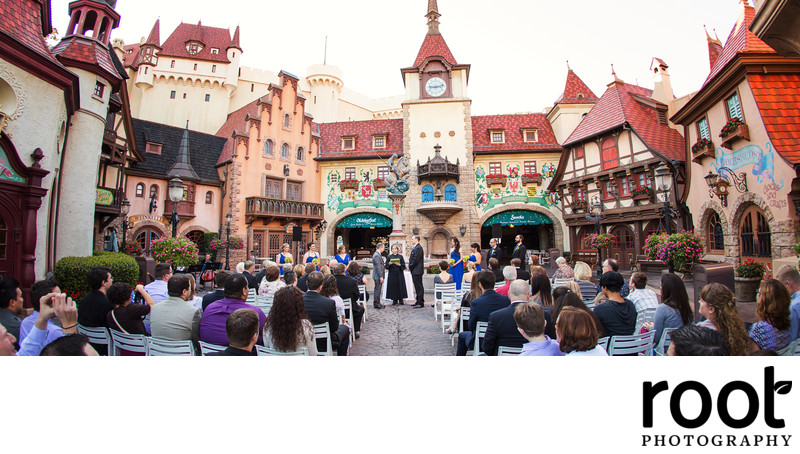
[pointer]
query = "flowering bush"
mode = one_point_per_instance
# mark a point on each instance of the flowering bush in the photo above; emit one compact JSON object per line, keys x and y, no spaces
{"x":751,"y":269}
{"x":216,"y":245}
{"x":434,"y":269}
{"x":177,"y":251}
{"x":132,"y":247}
{"x":641,"y":190}
{"x":701,"y":145}
{"x":731,"y":126}
{"x":681,"y":249}
{"x":599,"y":240}
{"x":236,"y":242}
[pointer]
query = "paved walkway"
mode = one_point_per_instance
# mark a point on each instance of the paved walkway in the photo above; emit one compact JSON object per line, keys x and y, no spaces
{"x":402,"y":331}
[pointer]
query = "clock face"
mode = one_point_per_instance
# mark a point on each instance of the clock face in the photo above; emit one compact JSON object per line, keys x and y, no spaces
{"x":436,"y":86}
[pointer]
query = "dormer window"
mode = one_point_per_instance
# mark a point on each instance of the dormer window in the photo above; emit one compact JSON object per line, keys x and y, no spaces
{"x":193,"y":48}
{"x":530,"y":135}
{"x":214,"y":51}
{"x":379,"y":142}
{"x":498,"y":136}
{"x":580,"y":96}
{"x":153,"y":148}
{"x":348,"y":143}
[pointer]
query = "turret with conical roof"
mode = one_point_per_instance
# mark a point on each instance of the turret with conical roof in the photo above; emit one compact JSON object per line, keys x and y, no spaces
{"x":575,"y":102}
{"x":183,"y":166}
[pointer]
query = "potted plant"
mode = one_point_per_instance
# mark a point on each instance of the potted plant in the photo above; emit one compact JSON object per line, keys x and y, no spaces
{"x":599,"y":240}
{"x":702,"y":147}
{"x":496,"y":178}
{"x":132,"y":247}
{"x":642,"y":193}
{"x":532,"y":178}
{"x":349,"y":183}
{"x":578,"y":205}
{"x":734,"y":130}
{"x":748,"y":280}
{"x":180,"y":252}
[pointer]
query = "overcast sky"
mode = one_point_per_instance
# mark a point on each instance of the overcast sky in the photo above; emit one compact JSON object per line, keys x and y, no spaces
{"x":518,"y":49}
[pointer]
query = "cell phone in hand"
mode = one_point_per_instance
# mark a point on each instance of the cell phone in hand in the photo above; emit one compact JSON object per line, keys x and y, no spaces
{"x":136,"y":297}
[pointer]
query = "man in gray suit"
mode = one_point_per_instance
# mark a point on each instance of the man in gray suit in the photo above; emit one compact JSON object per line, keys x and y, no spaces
{"x":175,"y":318}
{"x":378,"y":269}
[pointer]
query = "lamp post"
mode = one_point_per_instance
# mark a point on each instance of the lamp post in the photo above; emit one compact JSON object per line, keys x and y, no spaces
{"x":124,"y":209}
{"x":718,"y":184}
{"x":228,"y":218}
{"x":596,"y":217}
{"x":176,"y":191}
{"x":663,"y":179}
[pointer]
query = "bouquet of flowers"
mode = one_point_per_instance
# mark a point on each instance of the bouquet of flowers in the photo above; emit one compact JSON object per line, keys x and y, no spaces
{"x":452,"y":262}
{"x":315,"y":261}
{"x":287,"y":260}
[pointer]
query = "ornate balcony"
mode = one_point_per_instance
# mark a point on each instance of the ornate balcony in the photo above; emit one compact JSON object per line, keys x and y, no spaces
{"x":439,"y":212}
{"x":279,"y":209}
{"x":185,"y":209}
{"x":438,"y":168}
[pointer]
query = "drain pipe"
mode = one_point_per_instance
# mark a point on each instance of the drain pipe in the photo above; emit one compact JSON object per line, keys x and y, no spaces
{"x":55,"y":203}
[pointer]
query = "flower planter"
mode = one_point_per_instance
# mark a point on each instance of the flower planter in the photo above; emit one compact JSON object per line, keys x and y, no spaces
{"x":700,"y":152}
{"x":496,"y":180}
{"x":578,"y":206}
{"x":646,"y":197}
{"x":348,"y":184}
{"x":740,"y":133}
{"x":747,"y":288}
{"x":527,"y":179}
{"x":379,"y":184}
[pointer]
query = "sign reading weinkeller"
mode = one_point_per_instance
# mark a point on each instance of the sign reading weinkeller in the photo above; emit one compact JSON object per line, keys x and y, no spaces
{"x":148,"y":217}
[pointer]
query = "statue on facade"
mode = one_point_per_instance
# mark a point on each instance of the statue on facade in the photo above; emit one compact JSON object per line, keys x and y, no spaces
{"x":399,"y":168}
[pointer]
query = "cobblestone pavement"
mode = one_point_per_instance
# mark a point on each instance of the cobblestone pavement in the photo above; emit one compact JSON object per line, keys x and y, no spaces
{"x":402,"y":331}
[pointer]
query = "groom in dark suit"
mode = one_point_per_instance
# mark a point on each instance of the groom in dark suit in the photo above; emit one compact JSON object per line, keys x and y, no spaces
{"x":416,"y":264}
{"x":494,"y":251}
{"x":520,"y":251}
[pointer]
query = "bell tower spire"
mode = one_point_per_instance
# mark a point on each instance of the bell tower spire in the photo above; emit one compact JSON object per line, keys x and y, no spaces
{"x":433,"y":17}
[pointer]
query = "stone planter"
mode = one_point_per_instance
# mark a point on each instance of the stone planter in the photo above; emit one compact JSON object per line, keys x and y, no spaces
{"x":747,"y":288}
{"x":741,"y":133}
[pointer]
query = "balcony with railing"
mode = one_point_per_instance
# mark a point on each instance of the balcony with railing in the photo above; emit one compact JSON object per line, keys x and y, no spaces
{"x":274,"y":209}
{"x":185,"y":209}
{"x":438,"y":168}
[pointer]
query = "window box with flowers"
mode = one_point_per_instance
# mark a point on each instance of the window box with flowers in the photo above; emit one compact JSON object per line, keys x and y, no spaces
{"x":702,"y":147}
{"x":532,"y":178}
{"x":735,"y":129}
{"x":496,"y":178}
{"x":748,"y":280}
{"x":642,"y":193}
{"x":348,"y":184}
{"x":379,"y":183}
{"x":578,"y":205}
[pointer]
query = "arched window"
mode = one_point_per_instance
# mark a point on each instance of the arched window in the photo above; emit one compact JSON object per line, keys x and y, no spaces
{"x":300,"y":154}
{"x":427,"y":193}
{"x":267,"y":147}
{"x":716,"y":239}
{"x":755,"y":236}
{"x":140,"y":190}
{"x":145,"y":238}
{"x":450,"y":194}
{"x":285,"y":151}
{"x":209,"y":198}
{"x":154,"y":191}
{"x":609,"y":154}
{"x":196,"y":236}
{"x":287,"y":121}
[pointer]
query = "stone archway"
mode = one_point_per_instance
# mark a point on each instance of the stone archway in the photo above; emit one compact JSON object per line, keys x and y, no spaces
{"x":743,"y":202}
{"x":558,"y":229}
{"x":434,"y":235}
{"x":330,"y":240}
{"x":728,"y":233}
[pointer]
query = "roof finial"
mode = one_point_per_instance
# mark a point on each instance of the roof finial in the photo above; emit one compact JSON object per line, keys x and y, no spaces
{"x":433,"y":17}
{"x":613,"y":73}
{"x":568,"y":68}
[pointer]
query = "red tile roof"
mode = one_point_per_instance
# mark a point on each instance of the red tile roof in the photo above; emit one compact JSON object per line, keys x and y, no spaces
{"x":576,"y":92}
{"x":619,"y":105}
{"x":512,"y":125}
{"x":78,"y":48}
{"x":22,"y":20}
{"x":778,"y":99}
{"x":130,"y":59}
{"x":219,"y":38}
{"x":739,"y":41}
{"x":332,"y":133}
{"x":434,"y":46}
{"x":714,"y":51}
{"x":155,"y":34}
{"x":236,"y":120}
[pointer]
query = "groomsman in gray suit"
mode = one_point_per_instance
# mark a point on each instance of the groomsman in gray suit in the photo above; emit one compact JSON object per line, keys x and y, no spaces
{"x":378,"y":270}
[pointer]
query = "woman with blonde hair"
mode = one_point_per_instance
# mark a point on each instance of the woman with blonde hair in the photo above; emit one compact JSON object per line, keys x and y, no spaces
{"x":325,"y":270}
{"x":583,"y":276}
{"x":299,"y":270}
{"x":470,"y":272}
{"x":771,"y":331}
{"x":284,"y":257}
{"x":718,"y":306}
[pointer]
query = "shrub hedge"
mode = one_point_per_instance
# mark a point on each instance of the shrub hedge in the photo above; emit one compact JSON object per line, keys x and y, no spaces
{"x":71,"y":272}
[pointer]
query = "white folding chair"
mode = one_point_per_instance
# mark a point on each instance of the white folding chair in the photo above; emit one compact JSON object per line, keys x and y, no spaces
{"x":348,"y":310}
{"x":663,"y":343}
{"x":560,"y":282}
{"x":589,"y":304}
{"x":97,"y":336}
{"x":265,"y":308}
{"x":480,"y":333}
{"x":509,"y":351}
{"x":603,"y":343}
{"x":647,"y":314}
{"x":131,"y":343}
{"x":638,"y":344}
{"x":463,"y":319}
{"x":163,"y":347}
{"x":448,"y":301}
{"x":544,"y":260}
{"x":323,"y":331}
{"x":362,"y":300}
{"x":251,"y":296}
{"x":264,"y":351}
{"x":264,"y":299}
{"x":793,"y":349}
{"x":206,"y":348}
{"x":438,"y":300}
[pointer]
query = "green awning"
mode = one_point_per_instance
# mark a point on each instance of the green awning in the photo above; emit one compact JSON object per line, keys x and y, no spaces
{"x":365,"y":221}
{"x":518,"y":217}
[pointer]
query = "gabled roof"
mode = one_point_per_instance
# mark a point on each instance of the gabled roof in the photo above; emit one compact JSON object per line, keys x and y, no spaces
{"x":740,"y":40}
{"x":576,"y":91}
{"x":129,"y":59}
{"x":204,"y":149}
{"x":332,"y":133}
{"x":23,"y":21}
{"x":513,"y":126}
{"x":219,"y":38}
{"x":236,"y":119}
{"x":778,"y":99}
{"x":434,"y":46}
{"x":624,"y":103}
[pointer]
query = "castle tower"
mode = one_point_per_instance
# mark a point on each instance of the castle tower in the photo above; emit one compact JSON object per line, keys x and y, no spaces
{"x":234,"y":51}
{"x":326,"y":86}
{"x":148,"y":59}
{"x":575,"y":102}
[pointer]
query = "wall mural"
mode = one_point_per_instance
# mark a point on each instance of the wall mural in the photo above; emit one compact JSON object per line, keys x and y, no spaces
{"x":763,"y":163}
{"x":363,"y":195}
{"x":489,"y":196}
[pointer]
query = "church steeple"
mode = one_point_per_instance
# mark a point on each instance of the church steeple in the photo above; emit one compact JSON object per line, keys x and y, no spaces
{"x":433,"y":17}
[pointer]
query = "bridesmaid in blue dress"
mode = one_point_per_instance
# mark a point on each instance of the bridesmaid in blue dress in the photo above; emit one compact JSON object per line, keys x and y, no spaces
{"x":476,"y":256}
{"x":457,"y":268}
{"x":311,"y":254}
{"x":342,"y":257}
{"x":284,"y":257}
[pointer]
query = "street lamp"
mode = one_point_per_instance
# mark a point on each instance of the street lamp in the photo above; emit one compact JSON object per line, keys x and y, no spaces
{"x":228,"y":218}
{"x":718,"y":184}
{"x":663,"y":179}
{"x":124,"y":209}
{"x":596,"y":216}
{"x":175,"y":190}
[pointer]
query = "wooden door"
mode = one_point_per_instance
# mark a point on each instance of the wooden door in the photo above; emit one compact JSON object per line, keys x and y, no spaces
{"x":624,"y":248}
{"x":145,"y":238}
{"x":755,"y":238}
{"x":7,"y":253}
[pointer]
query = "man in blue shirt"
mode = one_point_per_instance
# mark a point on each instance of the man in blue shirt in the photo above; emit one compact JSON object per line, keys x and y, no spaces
{"x":613,"y":265}
{"x":11,"y":302}
{"x":158,"y":288}
{"x":789,"y":276}
{"x":42,"y":290}
{"x":52,"y":305}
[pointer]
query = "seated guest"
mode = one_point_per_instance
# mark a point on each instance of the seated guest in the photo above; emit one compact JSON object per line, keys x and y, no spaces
{"x":53,"y":305}
{"x":11,"y":303}
{"x":330,"y":290}
{"x":176,"y":318}
{"x":718,"y":306}
{"x":564,"y":271}
{"x":535,"y":260}
{"x":480,"y":308}
{"x":288,"y":328}
{"x":271,"y":282}
{"x":321,"y":310}
{"x":325,"y":270}
{"x":674,"y":310}
{"x":564,"y":296}
{"x":577,"y":334}
{"x":469,"y":273}
{"x":72,"y":345}
{"x":444,"y":277}
{"x":158,"y":288}
{"x":474,"y":292}
{"x":494,"y":266}
{"x":771,"y":331}
{"x":242,"y":330}
{"x":641,"y":296}
{"x":617,"y":314}
{"x":7,"y":342}
{"x":354,"y":270}
{"x":537,"y":269}
{"x":509,"y":275}
{"x":522,"y":273}
{"x":240,"y":268}
{"x":694,"y":340}
{"x":789,"y":277}
{"x":613,"y":265}
{"x":348,"y":288}
{"x":212,"y":325}
{"x":126,"y":317}
{"x":260,"y":275}
{"x":249,"y":269}
{"x":530,"y":323}
{"x":95,"y":306}
{"x":219,"y":291}
{"x":290,"y":279}
{"x":299,"y":270}
{"x":583,"y":276}
{"x":43,"y":290}
{"x":542,"y":295}
{"x":301,"y":283}
{"x":502,"y":330}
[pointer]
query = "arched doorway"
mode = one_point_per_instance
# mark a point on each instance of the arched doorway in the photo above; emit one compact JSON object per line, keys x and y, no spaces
{"x":536,"y":229}
{"x":145,"y":237}
{"x":624,"y":248}
{"x":360,"y":233}
{"x":197,"y":237}
{"x":755,"y":238}
{"x":715,"y":235}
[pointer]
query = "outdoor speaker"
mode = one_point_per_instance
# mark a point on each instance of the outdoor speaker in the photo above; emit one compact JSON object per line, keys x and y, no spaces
{"x":497,"y":230}
{"x":297,"y":233}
